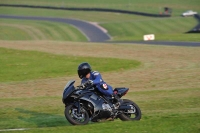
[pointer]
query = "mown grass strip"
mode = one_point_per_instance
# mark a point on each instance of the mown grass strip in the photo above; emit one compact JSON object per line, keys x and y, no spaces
{"x":38,"y":30}
{"x":13,"y":33}
{"x":19,"y":65}
{"x":162,"y":28}
{"x":121,"y":27}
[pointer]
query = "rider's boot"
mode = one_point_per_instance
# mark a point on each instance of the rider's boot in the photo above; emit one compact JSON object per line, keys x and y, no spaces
{"x":116,"y":101}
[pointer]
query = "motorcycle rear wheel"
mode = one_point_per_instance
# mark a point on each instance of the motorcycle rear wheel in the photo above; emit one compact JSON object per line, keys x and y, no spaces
{"x":129,"y":116}
{"x":76,"y":118}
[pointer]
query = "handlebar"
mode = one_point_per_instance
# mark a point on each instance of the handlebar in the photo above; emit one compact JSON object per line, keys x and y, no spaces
{"x":84,"y":85}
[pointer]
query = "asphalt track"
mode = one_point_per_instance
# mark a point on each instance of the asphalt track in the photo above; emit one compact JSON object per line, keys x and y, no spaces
{"x":92,"y":32}
{"x":95,"y":33}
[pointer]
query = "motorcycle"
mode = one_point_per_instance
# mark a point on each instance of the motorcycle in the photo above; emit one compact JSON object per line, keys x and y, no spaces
{"x":85,"y":103}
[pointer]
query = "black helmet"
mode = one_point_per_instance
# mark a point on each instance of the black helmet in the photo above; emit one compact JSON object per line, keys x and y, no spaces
{"x":83,"y":69}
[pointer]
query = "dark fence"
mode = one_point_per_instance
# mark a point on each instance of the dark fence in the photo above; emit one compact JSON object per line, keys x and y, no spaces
{"x":89,"y":9}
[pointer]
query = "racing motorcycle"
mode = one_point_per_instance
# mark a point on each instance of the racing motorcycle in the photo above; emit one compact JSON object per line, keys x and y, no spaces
{"x":85,"y":103}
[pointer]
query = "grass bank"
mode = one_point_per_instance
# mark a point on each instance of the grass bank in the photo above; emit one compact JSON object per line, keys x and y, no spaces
{"x":19,"y":65}
{"x":166,"y":87}
{"x":120,"y":26}
{"x":38,"y":30}
{"x":170,"y":111}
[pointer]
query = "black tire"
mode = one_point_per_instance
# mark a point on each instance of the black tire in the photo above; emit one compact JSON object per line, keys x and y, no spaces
{"x":75,"y":121}
{"x":127,"y":116}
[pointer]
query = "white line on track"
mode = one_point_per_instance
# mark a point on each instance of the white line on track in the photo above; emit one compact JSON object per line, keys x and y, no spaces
{"x":16,"y":129}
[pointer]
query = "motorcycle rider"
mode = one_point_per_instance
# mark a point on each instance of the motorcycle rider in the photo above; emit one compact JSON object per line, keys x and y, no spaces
{"x":90,"y":77}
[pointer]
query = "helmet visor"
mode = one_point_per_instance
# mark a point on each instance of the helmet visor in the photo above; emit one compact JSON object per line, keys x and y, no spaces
{"x":82,"y":73}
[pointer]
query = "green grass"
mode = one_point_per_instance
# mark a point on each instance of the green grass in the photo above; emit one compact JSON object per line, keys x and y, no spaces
{"x":163,"y":111}
{"x":164,"y":29}
{"x":122,"y":27}
{"x":38,"y":30}
{"x":174,"y":110}
{"x":19,"y":65}
{"x":87,"y":16}
{"x":151,"y":6}
{"x":8,"y":34}
{"x":171,"y":29}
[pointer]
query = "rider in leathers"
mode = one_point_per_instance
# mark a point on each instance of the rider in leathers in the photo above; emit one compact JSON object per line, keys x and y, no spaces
{"x":94,"y":78}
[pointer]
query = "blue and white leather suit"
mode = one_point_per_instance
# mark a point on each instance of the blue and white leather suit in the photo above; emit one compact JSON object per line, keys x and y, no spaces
{"x":97,"y":80}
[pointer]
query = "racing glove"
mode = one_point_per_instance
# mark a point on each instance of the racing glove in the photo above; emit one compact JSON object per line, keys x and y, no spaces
{"x":89,"y":83}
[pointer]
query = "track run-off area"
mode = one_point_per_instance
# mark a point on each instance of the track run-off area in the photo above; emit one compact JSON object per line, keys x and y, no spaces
{"x":96,"y":33}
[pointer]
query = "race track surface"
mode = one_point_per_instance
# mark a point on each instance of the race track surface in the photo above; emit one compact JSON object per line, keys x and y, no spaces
{"x":169,"y":43}
{"x":92,"y":32}
{"x":96,"y":34}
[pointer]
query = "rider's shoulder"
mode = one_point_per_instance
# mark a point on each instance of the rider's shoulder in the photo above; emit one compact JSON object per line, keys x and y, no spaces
{"x":95,"y":73}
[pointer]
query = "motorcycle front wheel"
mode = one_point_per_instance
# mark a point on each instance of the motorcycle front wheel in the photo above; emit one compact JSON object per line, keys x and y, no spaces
{"x":75,"y":118}
{"x":128,"y":115}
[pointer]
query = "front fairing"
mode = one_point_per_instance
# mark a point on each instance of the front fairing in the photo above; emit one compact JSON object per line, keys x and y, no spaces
{"x":69,"y":88}
{"x":87,"y":95}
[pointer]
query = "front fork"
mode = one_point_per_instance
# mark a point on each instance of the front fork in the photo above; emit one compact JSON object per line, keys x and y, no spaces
{"x":78,"y":106}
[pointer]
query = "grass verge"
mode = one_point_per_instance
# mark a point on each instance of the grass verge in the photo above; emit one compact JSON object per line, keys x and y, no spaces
{"x":38,"y":30}
{"x":19,"y":65}
{"x":169,"y":29}
{"x":166,"y":87}
{"x":168,"y":111}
